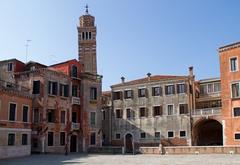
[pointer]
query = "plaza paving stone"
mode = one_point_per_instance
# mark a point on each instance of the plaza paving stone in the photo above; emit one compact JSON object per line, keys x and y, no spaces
{"x":93,"y":159}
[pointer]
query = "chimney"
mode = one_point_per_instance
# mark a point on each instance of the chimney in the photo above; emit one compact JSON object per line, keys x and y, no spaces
{"x":123,"y":79}
{"x":190,"y":69}
{"x":149,"y":76}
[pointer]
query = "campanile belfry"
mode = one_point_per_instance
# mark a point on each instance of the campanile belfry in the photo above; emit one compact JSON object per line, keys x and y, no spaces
{"x":87,"y":43}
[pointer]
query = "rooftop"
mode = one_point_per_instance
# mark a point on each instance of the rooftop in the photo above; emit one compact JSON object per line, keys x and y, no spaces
{"x":153,"y":78}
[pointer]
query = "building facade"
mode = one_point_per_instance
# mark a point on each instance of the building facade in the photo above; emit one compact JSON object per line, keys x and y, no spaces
{"x":15,"y":120}
{"x":229,"y":56}
{"x":152,"y":110}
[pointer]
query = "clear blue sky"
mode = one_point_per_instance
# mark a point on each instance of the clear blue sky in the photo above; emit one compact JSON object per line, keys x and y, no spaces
{"x":134,"y":36}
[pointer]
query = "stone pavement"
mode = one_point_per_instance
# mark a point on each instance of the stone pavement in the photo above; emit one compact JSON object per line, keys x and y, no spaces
{"x":78,"y":159}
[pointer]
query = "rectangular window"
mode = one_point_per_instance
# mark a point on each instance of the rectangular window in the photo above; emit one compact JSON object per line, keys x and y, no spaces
{"x":50,"y":138}
{"x":157,"y":111}
{"x":75,"y":91}
{"x":157,"y":135}
{"x":169,"y":90}
{"x":142,"y":92}
{"x":36,"y":87}
{"x":35,"y":115}
{"x":12,"y":111}
{"x":25,"y":113}
{"x":237,"y":136}
{"x":235,"y":90}
{"x":118,"y":136}
{"x":10,"y":66}
{"x":64,"y":90}
{"x":62,"y":138}
{"x":217,"y":87}
{"x":203,"y":89}
{"x":117,"y":95}
{"x":93,"y":93}
{"x":143,"y":135}
{"x":236,"y":111}
{"x":233,"y":63}
{"x":156,"y":91}
{"x":170,"y":109}
{"x":128,"y":94}
{"x":181,"y":88}
{"x":103,"y":114}
{"x":50,"y":115}
{"x":170,"y":134}
{"x":119,"y":113}
{"x":183,"y":109}
{"x":128,"y":113}
{"x":24,"y":139}
{"x":74,"y":71}
{"x":182,"y":134}
{"x":52,"y":88}
{"x":93,"y":138}
{"x":11,"y":139}
{"x":62,"y":116}
{"x":74,"y":117}
{"x":142,"y":112}
{"x":93,"y":118}
{"x":210,"y":88}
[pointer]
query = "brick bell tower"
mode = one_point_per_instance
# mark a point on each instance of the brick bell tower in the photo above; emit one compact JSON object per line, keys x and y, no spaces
{"x":87,"y":43}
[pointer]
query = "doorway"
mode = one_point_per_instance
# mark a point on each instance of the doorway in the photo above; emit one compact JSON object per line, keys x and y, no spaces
{"x":129,"y":143}
{"x":73,"y":143}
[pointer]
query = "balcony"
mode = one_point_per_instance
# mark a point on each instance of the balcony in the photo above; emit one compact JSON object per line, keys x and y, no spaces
{"x":76,"y":101}
{"x":207,"y":111}
{"x":75,"y":126}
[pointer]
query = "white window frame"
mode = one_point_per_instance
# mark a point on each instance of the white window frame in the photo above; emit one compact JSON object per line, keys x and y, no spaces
{"x":140,"y":113}
{"x":233,"y":112}
{"x":27,"y":138}
{"x":234,"y":136}
{"x":15,"y":111}
{"x":235,"y":82}
{"x":167,"y":109}
{"x":8,"y":66}
{"x":155,"y":135}
{"x":174,"y":87}
{"x":91,"y":118}
{"x":182,"y":103}
{"x":173,"y":134}
{"x":27,"y":114}
{"x":236,"y":63}
{"x":185,"y":86}
{"x":182,"y":136}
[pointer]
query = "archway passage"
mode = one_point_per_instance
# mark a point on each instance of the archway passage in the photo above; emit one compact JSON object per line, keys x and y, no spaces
{"x":208,"y":132}
{"x":73,"y":143}
{"x":129,"y":143}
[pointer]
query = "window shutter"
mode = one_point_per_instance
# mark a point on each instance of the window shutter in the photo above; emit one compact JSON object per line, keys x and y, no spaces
{"x":121,"y":95}
{"x":125,"y":94}
{"x":49,"y":87}
{"x":138,"y":92}
{"x":178,"y":88}
{"x":146,"y":92}
{"x":174,"y":89}
{"x":166,"y":92}
{"x":153,"y":92}
{"x":160,"y":91}
{"x":60,"y":90}
{"x":146,"y":112}
{"x":185,"y":88}
{"x":132,"y":94}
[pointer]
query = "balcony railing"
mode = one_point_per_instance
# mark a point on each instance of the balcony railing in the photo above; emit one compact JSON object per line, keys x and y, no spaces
{"x":207,"y":111}
{"x":75,"y":126}
{"x":76,"y":101}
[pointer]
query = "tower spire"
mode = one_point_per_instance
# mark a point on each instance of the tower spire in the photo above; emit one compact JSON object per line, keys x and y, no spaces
{"x":86,"y":8}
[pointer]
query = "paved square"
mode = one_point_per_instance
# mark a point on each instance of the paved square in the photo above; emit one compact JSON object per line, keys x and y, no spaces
{"x":92,"y":159}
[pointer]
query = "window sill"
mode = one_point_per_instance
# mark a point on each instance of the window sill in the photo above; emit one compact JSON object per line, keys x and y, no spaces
{"x":64,"y":98}
{"x":51,"y":95}
{"x":235,"y":98}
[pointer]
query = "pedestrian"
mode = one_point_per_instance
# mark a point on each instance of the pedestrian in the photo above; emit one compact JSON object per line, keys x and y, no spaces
{"x":66,"y":149}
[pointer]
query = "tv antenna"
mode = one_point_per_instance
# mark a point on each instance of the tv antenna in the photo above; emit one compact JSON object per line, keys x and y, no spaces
{"x":27,"y":45}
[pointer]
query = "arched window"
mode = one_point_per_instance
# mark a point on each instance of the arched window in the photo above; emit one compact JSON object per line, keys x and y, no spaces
{"x":83,"y":35}
{"x":86,"y":35}
{"x":90,"y":35}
